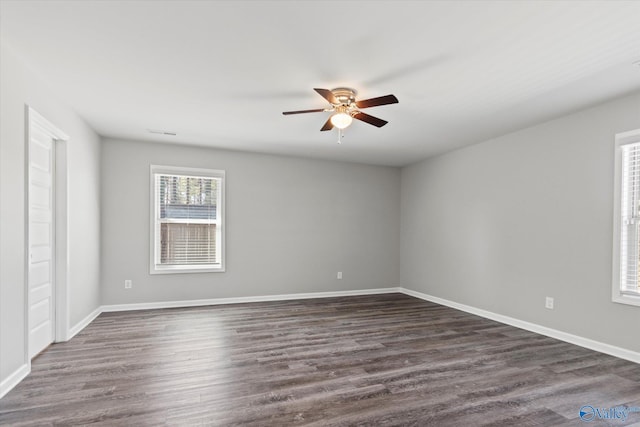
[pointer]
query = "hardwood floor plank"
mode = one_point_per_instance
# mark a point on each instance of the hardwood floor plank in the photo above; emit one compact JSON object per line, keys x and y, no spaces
{"x":365,"y":360}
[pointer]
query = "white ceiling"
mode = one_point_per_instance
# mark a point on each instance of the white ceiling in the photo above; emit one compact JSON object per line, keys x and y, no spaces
{"x":219,"y":73}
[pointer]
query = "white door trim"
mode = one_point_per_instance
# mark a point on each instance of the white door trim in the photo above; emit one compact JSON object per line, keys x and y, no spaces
{"x":60,"y":245}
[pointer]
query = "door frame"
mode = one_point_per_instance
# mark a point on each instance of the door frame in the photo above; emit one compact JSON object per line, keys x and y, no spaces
{"x":60,"y":251}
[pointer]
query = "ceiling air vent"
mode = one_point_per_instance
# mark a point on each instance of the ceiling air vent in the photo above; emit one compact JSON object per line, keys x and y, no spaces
{"x":161,"y":132}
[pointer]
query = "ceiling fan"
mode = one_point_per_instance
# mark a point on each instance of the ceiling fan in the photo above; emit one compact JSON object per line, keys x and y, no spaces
{"x":345,"y":108}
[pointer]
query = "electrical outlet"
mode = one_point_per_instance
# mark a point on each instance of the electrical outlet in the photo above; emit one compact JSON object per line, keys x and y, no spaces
{"x":339,"y":275}
{"x":128,"y":284}
{"x":548,"y":303}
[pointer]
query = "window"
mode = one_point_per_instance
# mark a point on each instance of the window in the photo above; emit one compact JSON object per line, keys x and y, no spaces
{"x":626,"y":241}
{"x":187,"y":220}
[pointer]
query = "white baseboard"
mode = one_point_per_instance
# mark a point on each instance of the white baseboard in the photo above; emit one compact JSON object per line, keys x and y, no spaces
{"x":12,"y":380}
{"x":543,"y":330}
{"x":83,"y":323}
{"x":240,"y":300}
{"x":622,"y":353}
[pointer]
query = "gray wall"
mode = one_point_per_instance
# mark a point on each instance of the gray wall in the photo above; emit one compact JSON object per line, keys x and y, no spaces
{"x":497,"y":226}
{"x":291,"y":225}
{"x":502,"y":224}
{"x":20,"y":86}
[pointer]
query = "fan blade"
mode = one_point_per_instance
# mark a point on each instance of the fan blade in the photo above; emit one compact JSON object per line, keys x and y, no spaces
{"x":374,"y":102}
{"x":318,"y":110}
{"x":327,"y":126}
{"x":370,"y":119}
{"x":328,"y":95}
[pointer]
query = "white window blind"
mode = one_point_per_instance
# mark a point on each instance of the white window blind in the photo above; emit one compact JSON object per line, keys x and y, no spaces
{"x":630,"y":219}
{"x":187,"y":220}
{"x":626,"y":220}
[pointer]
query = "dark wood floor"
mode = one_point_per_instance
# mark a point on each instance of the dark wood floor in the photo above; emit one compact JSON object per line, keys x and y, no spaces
{"x":372,"y":360}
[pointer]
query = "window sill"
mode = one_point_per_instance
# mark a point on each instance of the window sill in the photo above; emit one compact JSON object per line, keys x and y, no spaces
{"x":627,"y":299}
{"x":178,"y":269}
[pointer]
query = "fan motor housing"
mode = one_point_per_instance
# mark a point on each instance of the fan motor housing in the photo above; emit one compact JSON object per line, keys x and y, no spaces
{"x":345,"y":95}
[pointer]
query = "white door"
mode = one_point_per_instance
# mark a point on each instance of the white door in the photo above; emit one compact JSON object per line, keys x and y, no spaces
{"x":41,"y":243}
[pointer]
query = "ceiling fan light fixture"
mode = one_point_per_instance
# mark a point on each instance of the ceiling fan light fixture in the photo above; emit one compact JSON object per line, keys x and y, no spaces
{"x":345,"y":108}
{"x":341,"y":120}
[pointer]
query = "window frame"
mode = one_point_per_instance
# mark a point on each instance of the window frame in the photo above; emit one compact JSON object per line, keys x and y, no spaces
{"x":155,"y":224}
{"x":617,"y":295}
